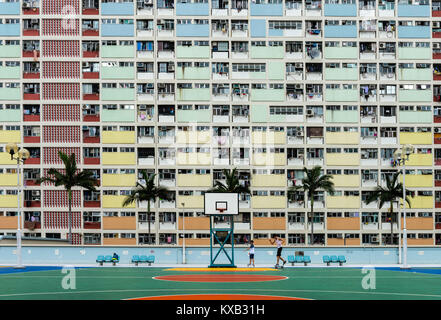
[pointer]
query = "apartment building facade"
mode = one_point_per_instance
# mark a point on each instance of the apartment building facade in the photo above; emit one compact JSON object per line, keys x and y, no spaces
{"x":184,"y":89}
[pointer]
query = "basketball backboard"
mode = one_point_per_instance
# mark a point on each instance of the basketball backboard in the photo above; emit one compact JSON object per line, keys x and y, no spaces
{"x":221,"y":203}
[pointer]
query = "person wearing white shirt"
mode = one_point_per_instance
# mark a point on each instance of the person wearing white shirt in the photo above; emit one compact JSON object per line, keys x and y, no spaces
{"x":279,"y":242}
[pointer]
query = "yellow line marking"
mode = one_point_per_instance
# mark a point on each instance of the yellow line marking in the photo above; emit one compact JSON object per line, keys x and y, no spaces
{"x":222,"y":269}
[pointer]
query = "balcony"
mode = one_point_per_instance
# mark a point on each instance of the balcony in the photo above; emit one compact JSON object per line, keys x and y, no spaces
{"x":347,"y":223}
{"x":118,"y":137}
{"x":341,"y":52}
{"x":192,"y":30}
{"x":117,"y":30}
{"x":193,"y":52}
{"x":268,"y":202}
{"x":342,"y":138}
{"x":341,"y":74}
{"x":111,"y":73}
{"x":117,"y":9}
{"x":408,"y":10}
{"x":416,"y":138}
{"x":119,"y":115}
{"x":8,"y":201}
{"x":268,"y":95}
{"x":118,"y":94}
{"x":10,"y":30}
{"x":343,"y":202}
{"x":13,"y":115}
{"x":340,"y":10}
{"x":190,"y":202}
{"x":266,"y":9}
{"x":10,"y":51}
{"x":267,"y":52}
{"x":119,"y":180}
{"x":342,"y":159}
{"x":10,"y":94}
{"x":194,"y":180}
{"x":268,"y":138}
{"x":421,"y":202}
{"x":269,"y":223}
{"x":415,"y":95}
{"x":414,"y":74}
{"x":340,"y":31}
{"x":269,"y":159}
{"x":195,"y":94}
{"x":414,"y":32}
{"x":414,"y":53}
{"x":192,"y":73}
{"x":193,"y":137}
{"x":118,"y":158}
{"x":341,"y":116}
{"x":342,"y":95}
{"x":115,"y":201}
{"x":268,"y":180}
{"x":192,"y":9}
{"x":346,"y":180}
{"x":9,"y":72}
{"x":8,"y":222}
{"x":7,"y":136}
{"x":193,"y":115}
{"x":118,"y":51}
{"x":193,"y":158}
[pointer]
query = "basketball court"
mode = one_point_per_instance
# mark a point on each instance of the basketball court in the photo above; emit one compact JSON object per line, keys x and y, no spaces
{"x":220,"y":279}
{"x":151,"y":283}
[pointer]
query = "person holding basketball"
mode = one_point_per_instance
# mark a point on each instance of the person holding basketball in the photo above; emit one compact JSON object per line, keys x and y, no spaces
{"x":279,"y":242}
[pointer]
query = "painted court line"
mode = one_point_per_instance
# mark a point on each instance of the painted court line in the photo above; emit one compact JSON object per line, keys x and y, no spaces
{"x":220,"y":278}
{"x":222,"y":269}
{"x":233,"y":296}
{"x":218,"y":289}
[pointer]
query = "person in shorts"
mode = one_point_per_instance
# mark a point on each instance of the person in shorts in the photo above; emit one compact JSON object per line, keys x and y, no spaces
{"x":279,"y":242}
{"x":251,"y":253}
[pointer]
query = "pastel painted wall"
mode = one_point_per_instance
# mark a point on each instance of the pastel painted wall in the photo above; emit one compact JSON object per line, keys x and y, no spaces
{"x":82,"y":255}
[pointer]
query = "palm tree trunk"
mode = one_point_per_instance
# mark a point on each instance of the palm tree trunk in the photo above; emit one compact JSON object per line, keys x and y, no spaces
{"x":391,"y":224}
{"x":69,"y":218}
{"x":312,"y":220}
{"x":148,"y":216}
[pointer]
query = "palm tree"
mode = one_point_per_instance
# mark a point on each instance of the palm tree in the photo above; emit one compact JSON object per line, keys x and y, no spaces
{"x":71,"y":177}
{"x":312,"y":181}
{"x":232,"y":183}
{"x":391,"y":193}
{"x":147,"y":192}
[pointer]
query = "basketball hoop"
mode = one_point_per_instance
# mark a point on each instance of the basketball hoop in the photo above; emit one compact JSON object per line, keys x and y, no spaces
{"x":221,"y":206}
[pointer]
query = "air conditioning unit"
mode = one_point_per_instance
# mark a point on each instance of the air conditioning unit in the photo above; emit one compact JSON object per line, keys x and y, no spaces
{"x":382,"y":45}
{"x":26,"y":5}
{"x":436,"y":24}
{"x":436,"y":130}
{"x":299,"y":134}
{"x":86,"y":107}
{"x":436,"y":46}
{"x":298,"y":86}
{"x":309,"y":113}
{"x":35,"y":193}
{"x":374,"y":239}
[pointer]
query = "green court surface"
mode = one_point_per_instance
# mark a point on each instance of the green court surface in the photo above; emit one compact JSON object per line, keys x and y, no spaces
{"x":308,"y":283}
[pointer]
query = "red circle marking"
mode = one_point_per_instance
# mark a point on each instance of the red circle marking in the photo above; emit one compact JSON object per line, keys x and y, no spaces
{"x":220,"y":278}
{"x":218,"y":297}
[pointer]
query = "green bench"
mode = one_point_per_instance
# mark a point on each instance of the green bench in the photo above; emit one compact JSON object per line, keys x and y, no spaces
{"x":299,"y":259}
{"x":106,"y":259}
{"x":143,"y":259}
{"x":334,"y":259}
